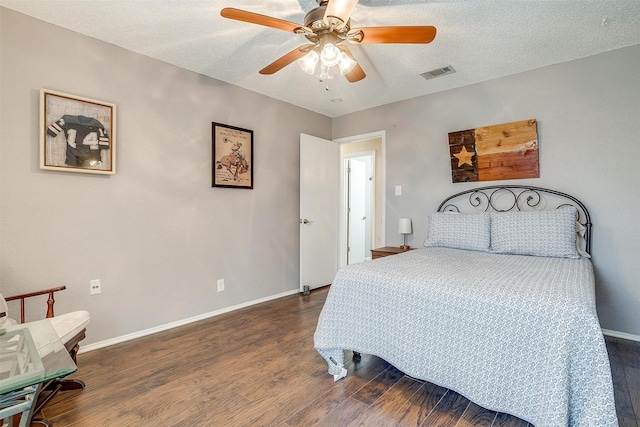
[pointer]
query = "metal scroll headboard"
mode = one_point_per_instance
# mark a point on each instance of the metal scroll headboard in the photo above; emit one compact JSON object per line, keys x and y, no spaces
{"x":504,"y":198}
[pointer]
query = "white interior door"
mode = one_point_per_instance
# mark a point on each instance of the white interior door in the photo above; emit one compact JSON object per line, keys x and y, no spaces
{"x":356,"y":210}
{"x":319,"y":196}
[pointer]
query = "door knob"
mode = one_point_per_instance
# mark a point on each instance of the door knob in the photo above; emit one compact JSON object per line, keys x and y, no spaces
{"x":305,"y":221}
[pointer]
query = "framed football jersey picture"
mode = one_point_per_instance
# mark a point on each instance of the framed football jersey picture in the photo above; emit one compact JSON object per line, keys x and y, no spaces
{"x":77,"y":134}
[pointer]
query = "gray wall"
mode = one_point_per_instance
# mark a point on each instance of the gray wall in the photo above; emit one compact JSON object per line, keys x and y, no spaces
{"x":588,"y":113}
{"x":156,"y":233}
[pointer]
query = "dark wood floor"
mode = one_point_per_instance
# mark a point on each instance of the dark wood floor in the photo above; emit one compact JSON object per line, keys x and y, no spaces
{"x":257,"y":367}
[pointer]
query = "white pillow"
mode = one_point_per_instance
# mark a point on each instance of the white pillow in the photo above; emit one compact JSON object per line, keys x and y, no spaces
{"x":549,"y":233}
{"x":459,"y":231}
{"x":581,"y":243}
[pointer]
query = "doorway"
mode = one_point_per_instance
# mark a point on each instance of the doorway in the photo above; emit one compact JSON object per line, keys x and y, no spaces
{"x":360,"y":209}
{"x":359,"y":147}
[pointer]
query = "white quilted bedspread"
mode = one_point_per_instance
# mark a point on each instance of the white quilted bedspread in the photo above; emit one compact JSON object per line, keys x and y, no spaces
{"x":514,"y":334}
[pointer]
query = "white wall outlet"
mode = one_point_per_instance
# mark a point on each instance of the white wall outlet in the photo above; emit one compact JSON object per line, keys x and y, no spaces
{"x":398,"y":190}
{"x":95,"y":287}
{"x":220,"y":285}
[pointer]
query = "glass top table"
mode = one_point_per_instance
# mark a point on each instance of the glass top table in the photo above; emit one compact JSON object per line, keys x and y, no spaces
{"x":30,"y":355}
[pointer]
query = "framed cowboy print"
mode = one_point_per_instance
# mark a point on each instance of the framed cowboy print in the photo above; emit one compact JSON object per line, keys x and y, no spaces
{"x":232,"y":156}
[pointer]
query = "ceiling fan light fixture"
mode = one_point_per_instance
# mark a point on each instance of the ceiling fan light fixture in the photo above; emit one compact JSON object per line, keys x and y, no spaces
{"x":325,"y":73}
{"x":327,"y":27}
{"x":309,"y":61}
{"x":330,"y":55}
{"x":346,"y":64}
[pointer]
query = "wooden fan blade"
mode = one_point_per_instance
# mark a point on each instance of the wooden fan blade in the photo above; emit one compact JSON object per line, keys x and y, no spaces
{"x":256,"y":18}
{"x":357,"y":73}
{"x":287,"y":59}
{"x":395,"y":35}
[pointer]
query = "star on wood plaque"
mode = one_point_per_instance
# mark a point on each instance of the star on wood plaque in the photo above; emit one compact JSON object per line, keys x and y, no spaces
{"x":464,"y":157}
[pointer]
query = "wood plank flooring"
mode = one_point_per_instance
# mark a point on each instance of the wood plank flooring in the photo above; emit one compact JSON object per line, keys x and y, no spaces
{"x":257,"y":367}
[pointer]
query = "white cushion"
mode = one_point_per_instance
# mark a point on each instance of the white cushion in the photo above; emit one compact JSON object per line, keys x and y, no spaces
{"x":69,"y":325}
{"x":66,"y":325}
{"x":5,"y":321}
{"x":3,"y":309}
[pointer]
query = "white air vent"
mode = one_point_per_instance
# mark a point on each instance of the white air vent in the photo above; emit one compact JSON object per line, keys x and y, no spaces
{"x":438,"y":72}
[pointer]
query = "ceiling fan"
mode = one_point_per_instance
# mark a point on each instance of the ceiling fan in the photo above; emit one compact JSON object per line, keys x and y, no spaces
{"x":327,"y":27}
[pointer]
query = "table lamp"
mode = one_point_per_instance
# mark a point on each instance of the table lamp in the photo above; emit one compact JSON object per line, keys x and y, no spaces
{"x":405,"y":228}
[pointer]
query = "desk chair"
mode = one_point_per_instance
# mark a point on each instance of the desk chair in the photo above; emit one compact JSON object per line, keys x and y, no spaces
{"x":71,"y":329}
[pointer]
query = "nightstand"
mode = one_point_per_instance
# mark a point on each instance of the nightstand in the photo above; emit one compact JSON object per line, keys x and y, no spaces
{"x":387,"y":251}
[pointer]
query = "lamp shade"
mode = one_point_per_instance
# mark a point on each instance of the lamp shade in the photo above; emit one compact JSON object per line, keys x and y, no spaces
{"x":338,"y":12}
{"x":309,"y":61}
{"x":404,"y":226}
{"x":346,"y":64}
{"x":330,"y":55}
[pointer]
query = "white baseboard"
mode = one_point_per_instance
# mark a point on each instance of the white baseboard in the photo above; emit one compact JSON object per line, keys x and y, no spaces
{"x":166,"y":326}
{"x":622,"y":335}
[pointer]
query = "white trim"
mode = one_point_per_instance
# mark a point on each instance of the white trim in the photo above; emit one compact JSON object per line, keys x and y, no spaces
{"x":622,"y":335}
{"x":171,"y":325}
{"x":361,"y":137}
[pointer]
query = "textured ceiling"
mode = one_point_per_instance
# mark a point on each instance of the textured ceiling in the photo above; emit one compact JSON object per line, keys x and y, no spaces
{"x":482,"y":40}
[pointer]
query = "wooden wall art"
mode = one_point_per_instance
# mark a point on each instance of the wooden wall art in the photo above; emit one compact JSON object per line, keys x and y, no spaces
{"x":507,"y":151}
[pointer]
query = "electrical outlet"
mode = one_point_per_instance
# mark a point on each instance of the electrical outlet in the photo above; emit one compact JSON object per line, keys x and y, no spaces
{"x":95,"y":287}
{"x":220,"y":285}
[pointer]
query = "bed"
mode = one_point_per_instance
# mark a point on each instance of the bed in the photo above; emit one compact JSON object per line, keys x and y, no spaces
{"x":499,"y":306}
